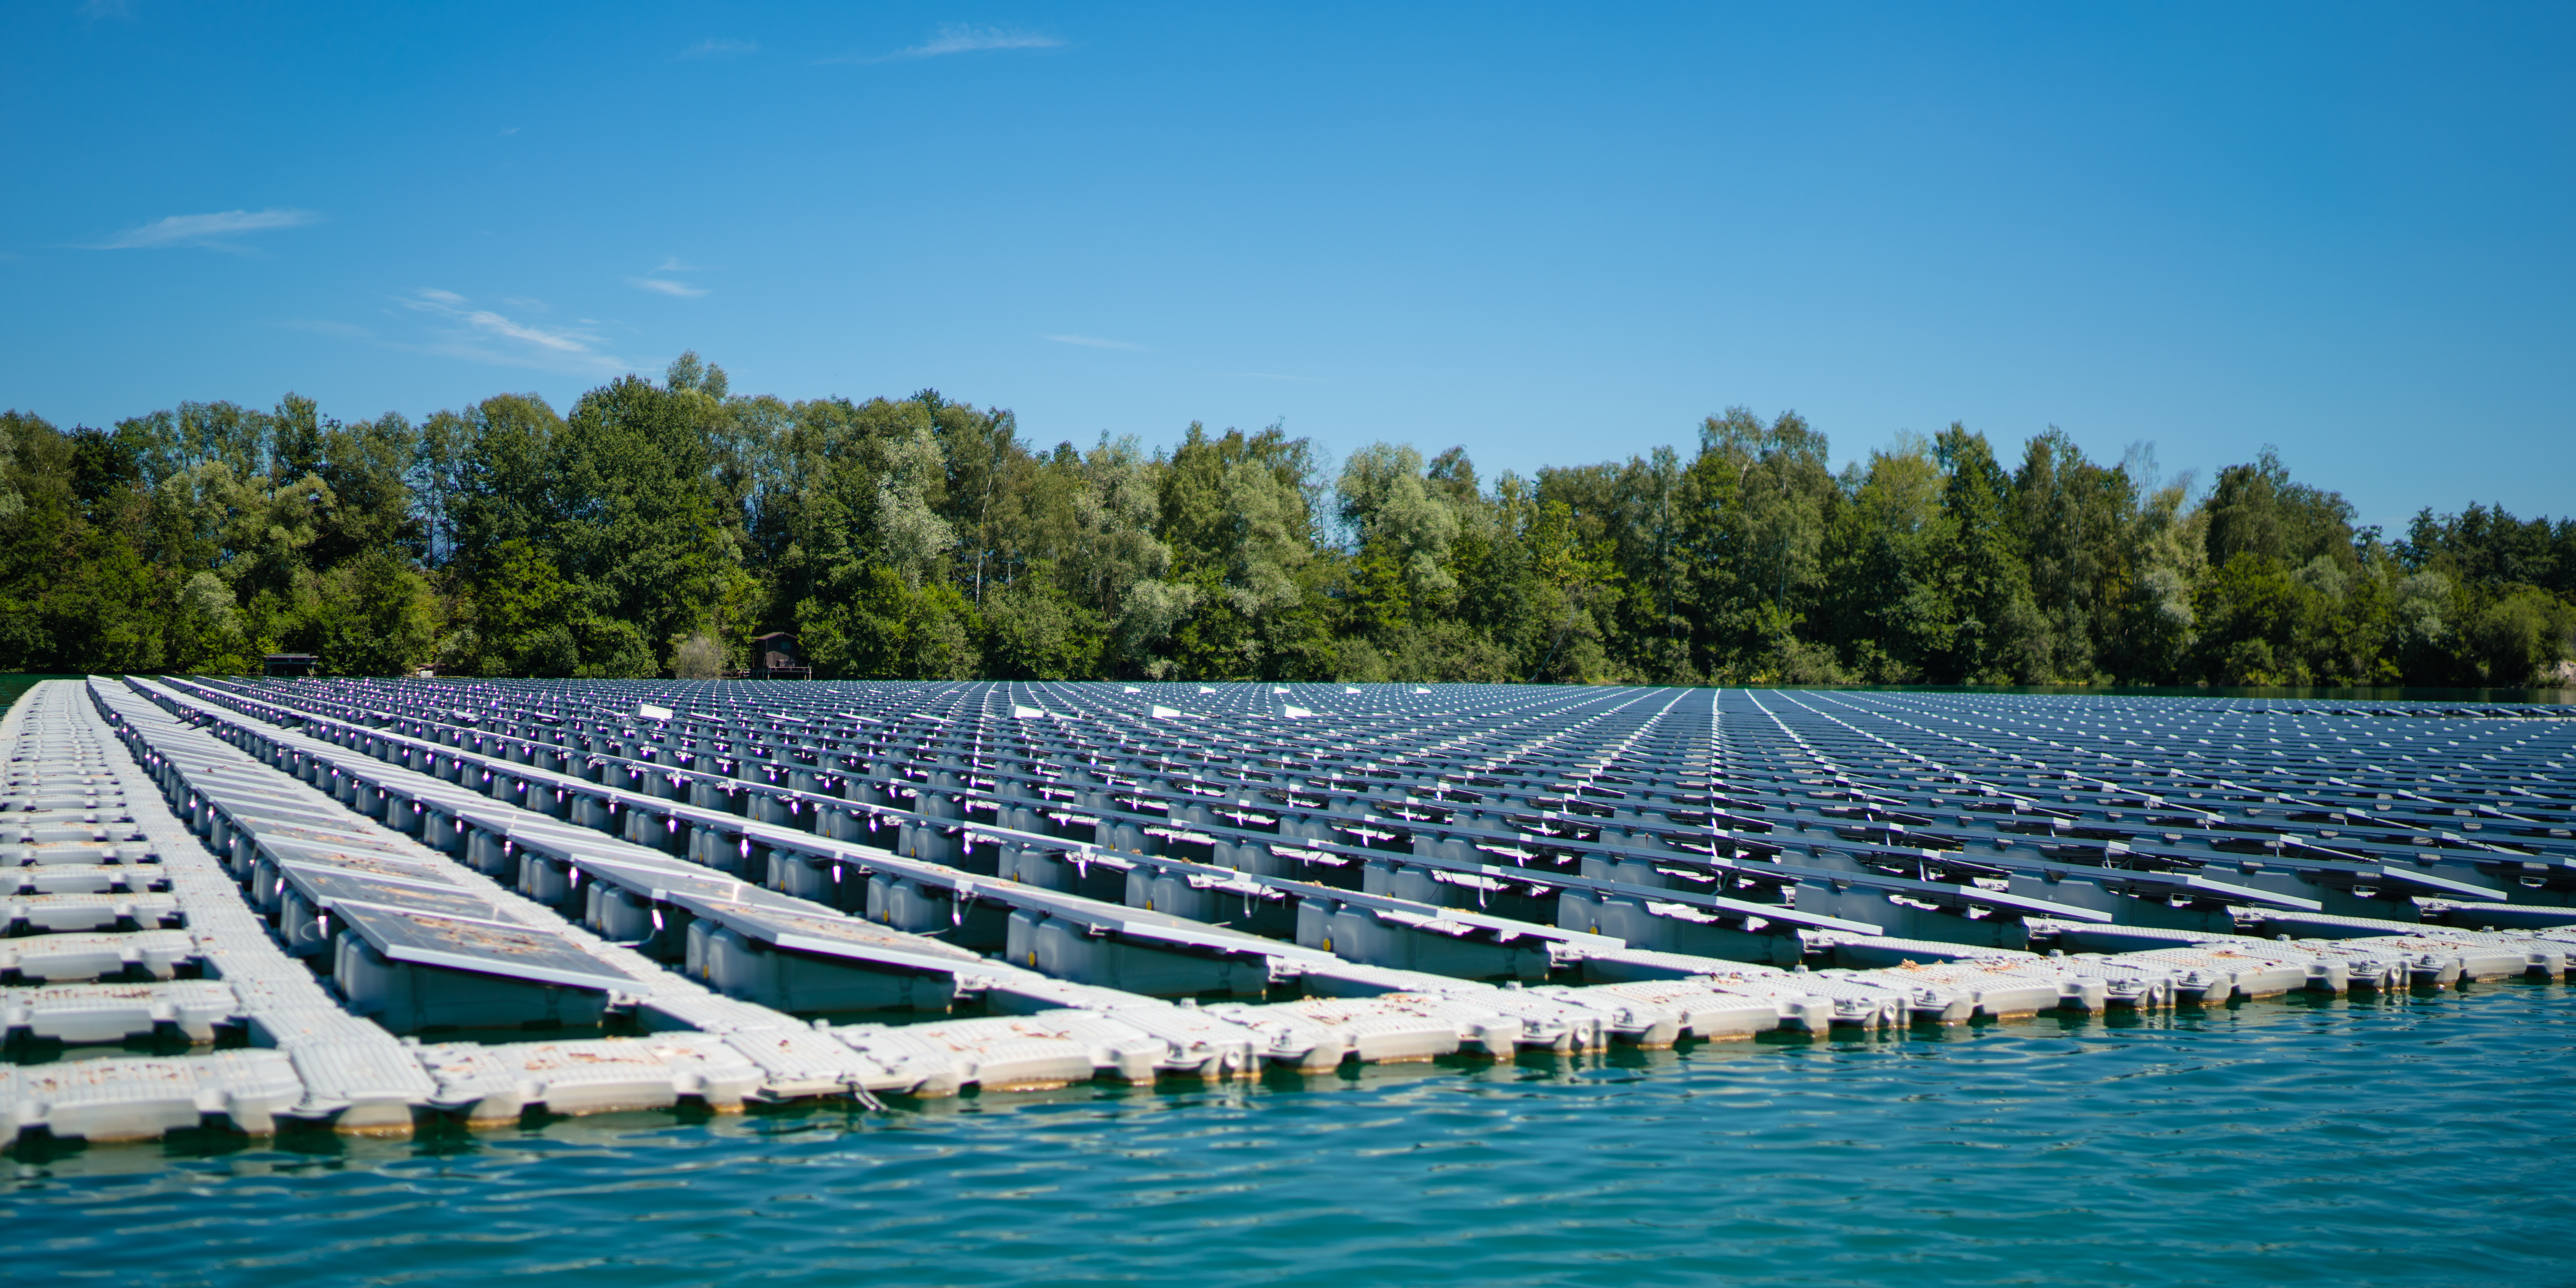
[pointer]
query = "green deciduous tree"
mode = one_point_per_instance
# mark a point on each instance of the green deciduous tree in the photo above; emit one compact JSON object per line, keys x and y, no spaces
{"x":659,"y":526}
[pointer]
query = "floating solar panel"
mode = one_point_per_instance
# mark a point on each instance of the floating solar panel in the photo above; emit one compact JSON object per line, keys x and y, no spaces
{"x":1648,"y":861}
{"x":484,"y":947}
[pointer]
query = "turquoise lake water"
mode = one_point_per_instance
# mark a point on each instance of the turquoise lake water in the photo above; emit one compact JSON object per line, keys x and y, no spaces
{"x":2414,"y":1140}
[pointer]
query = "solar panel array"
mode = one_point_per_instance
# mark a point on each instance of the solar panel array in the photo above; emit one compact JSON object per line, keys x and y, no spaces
{"x":586,"y":896}
{"x":2365,"y":810}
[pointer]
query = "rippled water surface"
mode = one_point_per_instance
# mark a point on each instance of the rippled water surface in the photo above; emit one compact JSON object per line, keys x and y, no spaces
{"x":2419,"y":1140}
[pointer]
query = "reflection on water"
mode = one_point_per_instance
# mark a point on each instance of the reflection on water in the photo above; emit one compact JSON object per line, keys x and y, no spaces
{"x":2413,"y":1139}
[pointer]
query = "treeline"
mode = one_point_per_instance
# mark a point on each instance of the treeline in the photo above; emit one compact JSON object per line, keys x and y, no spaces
{"x":658,"y":528}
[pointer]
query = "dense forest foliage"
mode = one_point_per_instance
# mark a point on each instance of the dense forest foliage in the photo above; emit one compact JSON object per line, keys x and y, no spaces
{"x":657,"y":528}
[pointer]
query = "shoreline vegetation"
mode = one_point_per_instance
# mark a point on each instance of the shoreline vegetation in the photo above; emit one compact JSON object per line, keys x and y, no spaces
{"x":658,"y":527}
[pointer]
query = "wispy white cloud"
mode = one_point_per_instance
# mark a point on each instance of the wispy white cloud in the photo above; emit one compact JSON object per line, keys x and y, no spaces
{"x":721,"y":47}
{"x":969,"y":38}
{"x":213,"y":231}
{"x":482,"y":335}
{"x":961,"y":38}
{"x":508,"y":130}
{"x":97,"y":9}
{"x":1092,"y":342}
{"x":664,"y":285}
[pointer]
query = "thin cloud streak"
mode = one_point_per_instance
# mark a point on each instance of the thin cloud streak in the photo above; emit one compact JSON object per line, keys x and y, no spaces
{"x":960,"y":38}
{"x":721,"y":47}
{"x":208,"y":231}
{"x":481,"y":335}
{"x":680,"y":289}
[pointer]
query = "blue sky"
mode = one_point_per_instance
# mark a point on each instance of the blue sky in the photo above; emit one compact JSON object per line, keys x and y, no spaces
{"x":1555,"y":235}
